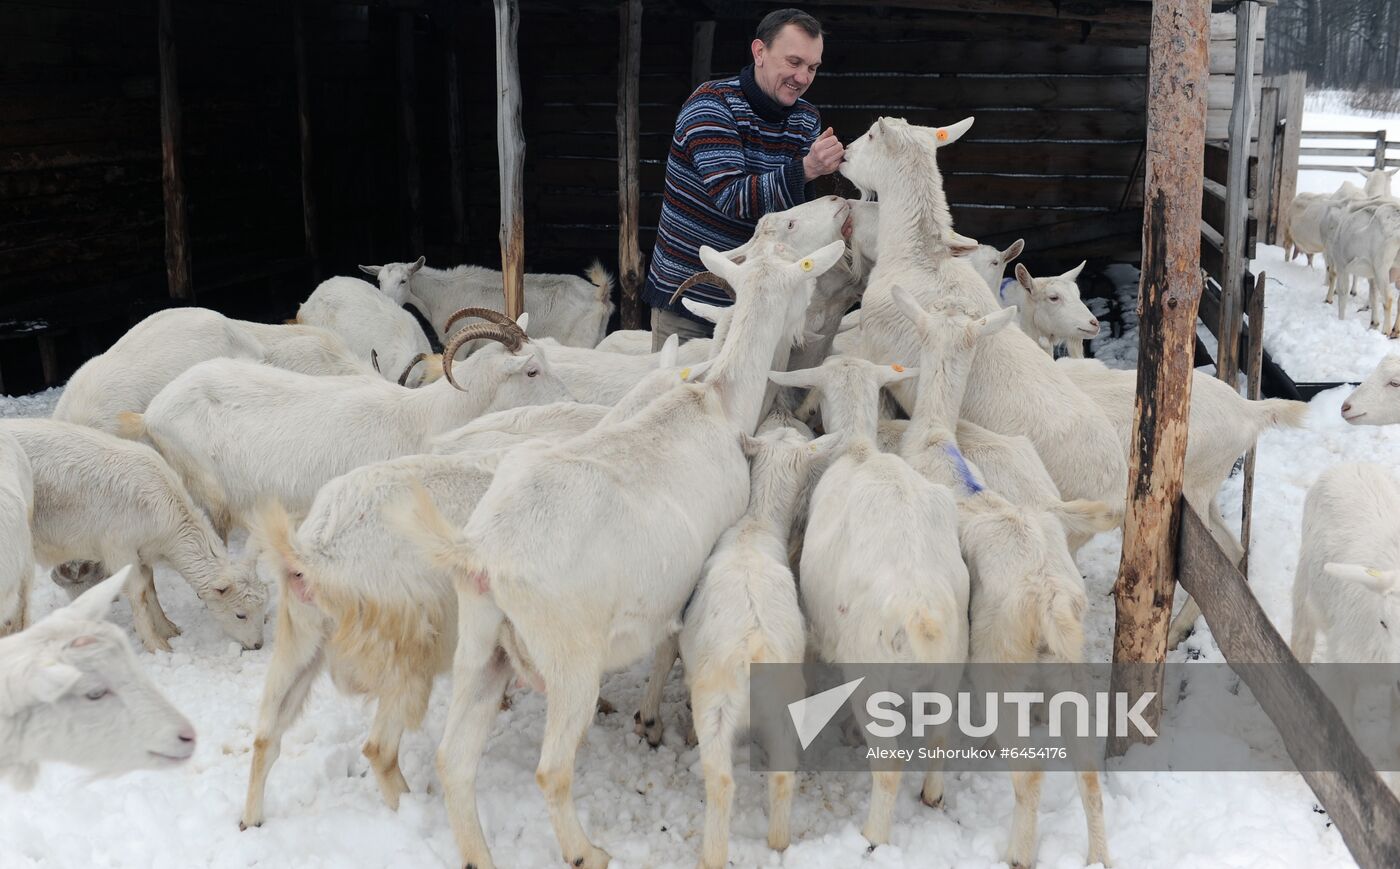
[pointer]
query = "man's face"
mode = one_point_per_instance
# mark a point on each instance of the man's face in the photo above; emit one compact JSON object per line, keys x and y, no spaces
{"x":785,"y":69}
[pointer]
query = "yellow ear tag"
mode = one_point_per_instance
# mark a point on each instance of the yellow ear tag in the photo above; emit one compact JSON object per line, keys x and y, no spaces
{"x":941,"y":134}
{"x":685,"y":373}
{"x":1371,"y":571}
{"x":806,"y":264}
{"x":898,"y":368}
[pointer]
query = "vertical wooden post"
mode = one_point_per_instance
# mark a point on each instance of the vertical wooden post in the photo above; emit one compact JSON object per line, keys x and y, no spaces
{"x":456,"y":135}
{"x":629,"y":253}
{"x":510,"y":152}
{"x":702,"y":53}
{"x":1291,"y":113}
{"x":1168,"y":299}
{"x":308,"y":195}
{"x":1266,"y":196}
{"x":411,"y":197}
{"x":177,"y":251}
{"x":1236,"y":198}
{"x":1256,"y":377}
{"x":1380,"y":149}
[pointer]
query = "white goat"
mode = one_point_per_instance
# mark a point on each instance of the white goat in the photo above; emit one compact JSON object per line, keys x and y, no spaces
{"x":990,"y":263}
{"x":1030,"y":600}
{"x":240,"y":433}
{"x":356,"y":601}
{"x":103,"y":499}
{"x":373,"y":327}
{"x":744,"y":612}
{"x":72,"y":692}
{"x":1348,"y":532}
{"x":1014,"y":388}
{"x":882,"y":577}
{"x":572,"y":310}
{"x":1223,"y":426}
{"x":159,"y":348}
{"x":1364,"y":240}
{"x":1052,"y":312}
{"x":580,"y":556}
{"x":17,"y":552}
{"x":1376,"y":401}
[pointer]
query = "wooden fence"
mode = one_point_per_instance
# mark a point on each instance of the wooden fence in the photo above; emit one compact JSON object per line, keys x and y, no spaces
{"x":1359,"y":149}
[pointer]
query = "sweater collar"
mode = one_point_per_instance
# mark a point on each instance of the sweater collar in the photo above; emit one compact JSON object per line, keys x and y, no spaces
{"x":764,"y":106}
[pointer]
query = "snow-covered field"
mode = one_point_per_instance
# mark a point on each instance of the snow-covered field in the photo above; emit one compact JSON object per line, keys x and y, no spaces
{"x":646,"y":806}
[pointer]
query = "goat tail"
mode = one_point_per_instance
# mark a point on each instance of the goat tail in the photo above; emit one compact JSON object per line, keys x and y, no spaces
{"x":600,"y":278}
{"x":925,"y":633}
{"x":273,"y":532}
{"x":418,"y":520}
{"x":1282,"y":412}
{"x":131,"y":425}
{"x":293,"y":321}
{"x":1062,"y":623}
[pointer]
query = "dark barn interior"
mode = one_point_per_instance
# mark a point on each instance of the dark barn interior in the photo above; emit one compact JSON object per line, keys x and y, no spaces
{"x":399,"y":139}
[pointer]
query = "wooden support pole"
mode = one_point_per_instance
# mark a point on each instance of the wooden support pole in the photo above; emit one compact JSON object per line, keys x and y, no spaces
{"x":702,"y":53}
{"x":1256,"y":377}
{"x":1294,"y":84}
{"x":411,"y":196}
{"x":1365,"y":811}
{"x":456,"y":136}
{"x":510,"y":152}
{"x":1266,"y":205}
{"x":629,"y":253}
{"x":308,"y":194}
{"x":177,"y":250}
{"x":1237,"y":197}
{"x":1380,"y":149}
{"x":1168,"y":298}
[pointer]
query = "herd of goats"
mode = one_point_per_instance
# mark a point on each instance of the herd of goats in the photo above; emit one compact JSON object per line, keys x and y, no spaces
{"x":545,"y":504}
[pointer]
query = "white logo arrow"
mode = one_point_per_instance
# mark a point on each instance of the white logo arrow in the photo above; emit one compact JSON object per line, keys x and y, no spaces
{"x":810,"y":715}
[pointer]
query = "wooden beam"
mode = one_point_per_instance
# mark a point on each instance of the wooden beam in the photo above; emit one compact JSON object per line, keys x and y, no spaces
{"x":177,"y":224}
{"x":411,"y":187}
{"x":1106,"y":11}
{"x":510,"y":151}
{"x":308,"y":194}
{"x":629,"y":253}
{"x":1365,"y":811}
{"x":1170,"y":293}
{"x":702,"y":53}
{"x":1256,"y":380}
{"x":1237,"y":197}
{"x":456,"y":135}
{"x":1270,"y":140}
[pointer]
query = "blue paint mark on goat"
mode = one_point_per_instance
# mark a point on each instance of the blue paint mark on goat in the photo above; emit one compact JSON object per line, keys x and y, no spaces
{"x":965,"y":475}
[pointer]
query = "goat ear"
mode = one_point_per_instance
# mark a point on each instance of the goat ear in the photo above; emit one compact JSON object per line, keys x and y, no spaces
{"x":45,"y":683}
{"x":1023,"y":276}
{"x":1390,"y":173}
{"x":995,"y":322}
{"x":819,"y":261}
{"x":669,"y":350}
{"x":1364,"y":173}
{"x":749,"y":444}
{"x":1379,"y":581}
{"x":1014,"y":250}
{"x":417,"y":264}
{"x":720,"y":265}
{"x":961,"y":245}
{"x":1086,"y":517}
{"x":372,"y":270}
{"x":804,"y":378}
{"x":523,"y":321}
{"x":693,"y":373}
{"x":894,"y":373}
{"x":948,"y":135}
{"x":1073,"y":274}
{"x":702,"y":310}
{"x":909,"y":306}
{"x":95,"y":604}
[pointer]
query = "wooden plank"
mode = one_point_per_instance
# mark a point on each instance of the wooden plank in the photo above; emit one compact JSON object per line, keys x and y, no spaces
{"x":177,"y":252}
{"x":1365,"y":811}
{"x":1236,"y":250}
{"x":702,"y":53}
{"x":1105,"y":11}
{"x":308,"y":186}
{"x":1367,"y":153}
{"x":1363,"y":136}
{"x":510,"y":148}
{"x":410,"y":176}
{"x":1256,"y":379}
{"x":629,"y":253}
{"x":1291,"y":90}
{"x":1169,"y":296}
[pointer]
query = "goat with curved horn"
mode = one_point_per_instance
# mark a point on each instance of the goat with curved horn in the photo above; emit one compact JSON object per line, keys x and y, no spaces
{"x":702,"y":277}
{"x":408,"y":369}
{"x":513,"y":339}
{"x":487,"y":314}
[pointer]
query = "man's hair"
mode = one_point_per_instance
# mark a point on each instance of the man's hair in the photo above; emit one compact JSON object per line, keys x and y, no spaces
{"x":779,"y":18}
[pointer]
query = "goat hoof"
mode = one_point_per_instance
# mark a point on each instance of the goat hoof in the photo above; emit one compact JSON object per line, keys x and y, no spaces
{"x":596,"y":858}
{"x":605,"y":708}
{"x":243,"y":826}
{"x":935,"y":803}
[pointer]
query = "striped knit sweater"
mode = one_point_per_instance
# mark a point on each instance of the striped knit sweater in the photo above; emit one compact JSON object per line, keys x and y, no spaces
{"x":736,"y":155}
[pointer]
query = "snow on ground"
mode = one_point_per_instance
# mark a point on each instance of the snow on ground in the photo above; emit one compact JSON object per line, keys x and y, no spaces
{"x":646,"y":806}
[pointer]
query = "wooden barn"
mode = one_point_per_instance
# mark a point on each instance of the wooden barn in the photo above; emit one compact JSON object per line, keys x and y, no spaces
{"x":229,"y":153}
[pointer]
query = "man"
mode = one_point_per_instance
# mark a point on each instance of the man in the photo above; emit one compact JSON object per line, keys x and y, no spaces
{"x":743,"y":147}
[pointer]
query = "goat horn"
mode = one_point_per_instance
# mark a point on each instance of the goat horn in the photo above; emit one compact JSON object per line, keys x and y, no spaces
{"x":512,"y":340}
{"x":374,"y":360}
{"x":403,"y":378}
{"x":698,"y":277}
{"x":481,"y":313}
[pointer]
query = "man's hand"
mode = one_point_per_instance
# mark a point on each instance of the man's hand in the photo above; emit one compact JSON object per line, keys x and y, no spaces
{"x":825,"y":156}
